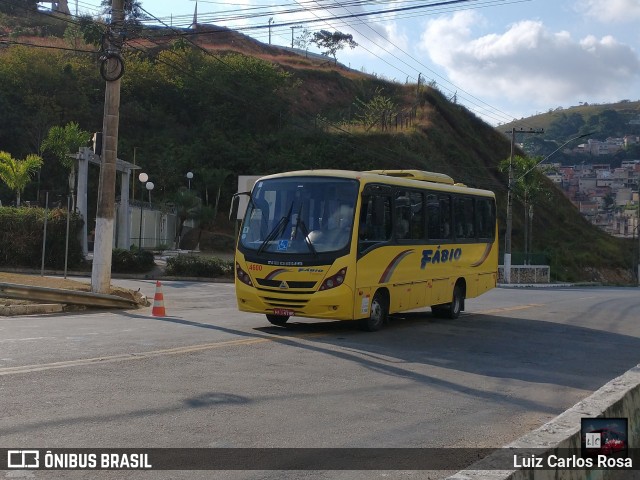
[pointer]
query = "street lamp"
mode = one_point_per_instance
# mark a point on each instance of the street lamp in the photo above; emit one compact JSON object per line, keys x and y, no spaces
{"x":149,"y":186}
{"x":189,"y":177}
{"x":143,"y":177}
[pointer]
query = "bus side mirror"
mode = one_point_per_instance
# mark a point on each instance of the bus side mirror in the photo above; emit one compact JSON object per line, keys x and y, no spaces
{"x":233,"y":210}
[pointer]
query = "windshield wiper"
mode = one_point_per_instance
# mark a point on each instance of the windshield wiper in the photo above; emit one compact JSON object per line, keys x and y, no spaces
{"x":307,"y":240}
{"x":305,"y":231}
{"x":277,"y":230}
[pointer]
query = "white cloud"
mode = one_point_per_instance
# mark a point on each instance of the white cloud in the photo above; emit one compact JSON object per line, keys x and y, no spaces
{"x":610,"y":11}
{"x":528,"y":63}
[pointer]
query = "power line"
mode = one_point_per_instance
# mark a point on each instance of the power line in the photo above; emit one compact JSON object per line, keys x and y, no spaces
{"x":374,"y":153}
{"x":51,"y":47}
{"x":481,"y":107}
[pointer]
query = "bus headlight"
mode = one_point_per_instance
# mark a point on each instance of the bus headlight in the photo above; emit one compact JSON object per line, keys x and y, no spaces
{"x":334,"y":280}
{"x":243,"y":276}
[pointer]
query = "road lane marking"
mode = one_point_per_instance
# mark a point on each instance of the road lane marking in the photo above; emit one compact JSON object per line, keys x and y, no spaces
{"x":195,"y":348}
{"x":150,"y":354}
{"x":6,"y":340}
{"x":509,"y":309}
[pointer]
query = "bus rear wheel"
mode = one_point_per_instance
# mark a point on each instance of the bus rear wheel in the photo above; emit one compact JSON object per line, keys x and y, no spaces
{"x":450,"y":310}
{"x":378,"y":313}
{"x":279,"y":320}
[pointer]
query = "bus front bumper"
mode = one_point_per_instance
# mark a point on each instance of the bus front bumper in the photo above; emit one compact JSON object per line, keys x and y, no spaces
{"x":334,"y":304}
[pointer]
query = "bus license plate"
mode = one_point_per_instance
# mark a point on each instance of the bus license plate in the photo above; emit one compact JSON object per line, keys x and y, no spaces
{"x":284,"y":312}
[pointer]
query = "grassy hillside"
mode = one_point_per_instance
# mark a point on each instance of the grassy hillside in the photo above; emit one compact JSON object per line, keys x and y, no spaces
{"x":255,"y":109}
{"x":546,"y":119}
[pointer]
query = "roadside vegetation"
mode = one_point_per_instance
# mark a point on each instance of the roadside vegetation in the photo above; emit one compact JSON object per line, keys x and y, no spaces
{"x":250,"y":113}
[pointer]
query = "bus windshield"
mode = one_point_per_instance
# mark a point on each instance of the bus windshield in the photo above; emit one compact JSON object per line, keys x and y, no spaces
{"x":294,"y":215}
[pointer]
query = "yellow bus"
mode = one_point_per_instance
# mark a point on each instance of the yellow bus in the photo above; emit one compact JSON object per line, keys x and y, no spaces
{"x":345,"y":245}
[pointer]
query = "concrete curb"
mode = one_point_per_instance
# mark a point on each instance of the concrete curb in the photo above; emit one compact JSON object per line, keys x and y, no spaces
{"x":618,"y":398}
{"x":536,"y":285}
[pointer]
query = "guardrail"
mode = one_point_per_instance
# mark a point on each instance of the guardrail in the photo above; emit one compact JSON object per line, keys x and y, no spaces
{"x":71,"y":297}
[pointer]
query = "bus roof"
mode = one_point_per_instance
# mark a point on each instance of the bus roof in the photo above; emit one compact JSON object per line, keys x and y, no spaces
{"x":406,"y":178}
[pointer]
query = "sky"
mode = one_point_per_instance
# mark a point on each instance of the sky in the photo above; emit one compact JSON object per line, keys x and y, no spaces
{"x":502,"y":59}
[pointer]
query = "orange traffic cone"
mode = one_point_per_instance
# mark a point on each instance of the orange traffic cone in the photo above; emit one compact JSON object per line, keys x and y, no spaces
{"x":158,"y":302}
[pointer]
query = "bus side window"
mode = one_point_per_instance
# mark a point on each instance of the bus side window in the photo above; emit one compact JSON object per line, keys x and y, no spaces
{"x":402,"y":215}
{"x":433,"y":217}
{"x":485,"y":218}
{"x":382,"y":218}
{"x":445,"y":217}
{"x":464,"y":216}
{"x":375,"y":220}
{"x":417,"y":216}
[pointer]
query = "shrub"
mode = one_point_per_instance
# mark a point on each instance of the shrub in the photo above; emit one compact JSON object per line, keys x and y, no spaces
{"x":21,"y":233}
{"x":131,"y":261}
{"x":195,"y":266}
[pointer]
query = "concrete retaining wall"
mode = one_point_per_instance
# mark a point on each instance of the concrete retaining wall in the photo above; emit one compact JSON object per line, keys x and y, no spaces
{"x":618,"y":398}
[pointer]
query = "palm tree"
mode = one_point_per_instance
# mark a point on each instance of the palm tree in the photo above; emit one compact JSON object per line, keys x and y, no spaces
{"x":17,"y":173}
{"x":528,"y":187}
{"x":205,"y":219}
{"x":187,"y":206}
{"x":62,"y":141}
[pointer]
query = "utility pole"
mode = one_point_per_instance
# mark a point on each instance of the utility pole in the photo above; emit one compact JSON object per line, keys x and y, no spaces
{"x":270,"y":22}
{"x":507,"y":235}
{"x":292,"y":29}
{"x":101,"y":269}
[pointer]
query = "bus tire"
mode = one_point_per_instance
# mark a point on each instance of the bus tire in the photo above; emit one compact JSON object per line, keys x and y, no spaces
{"x":450,"y":310}
{"x":454,"y":308}
{"x":378,"y":313}
{"x":279,"y":320}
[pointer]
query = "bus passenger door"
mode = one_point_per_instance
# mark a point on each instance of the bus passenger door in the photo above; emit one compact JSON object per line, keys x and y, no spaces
{"x":373,"y":231}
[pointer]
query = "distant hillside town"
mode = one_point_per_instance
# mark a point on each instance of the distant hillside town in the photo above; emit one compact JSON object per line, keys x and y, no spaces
{"x":607,"y":197}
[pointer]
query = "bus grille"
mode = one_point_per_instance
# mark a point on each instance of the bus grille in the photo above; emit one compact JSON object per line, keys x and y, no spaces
{"x":292,"y":303}
{"x":291,"y":284}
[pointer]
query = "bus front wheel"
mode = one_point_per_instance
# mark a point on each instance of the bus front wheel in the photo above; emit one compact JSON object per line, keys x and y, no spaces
{"x":278,"y":320}
{"x":378,"y":313}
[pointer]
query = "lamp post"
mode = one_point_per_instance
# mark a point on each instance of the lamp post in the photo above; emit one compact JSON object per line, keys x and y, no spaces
{"x":143,"y":177}
{"x":189,"y":177}
{"x":149,"y":186}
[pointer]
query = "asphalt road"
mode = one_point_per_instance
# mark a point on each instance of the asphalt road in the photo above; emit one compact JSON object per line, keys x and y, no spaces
{"x":209,"y":376}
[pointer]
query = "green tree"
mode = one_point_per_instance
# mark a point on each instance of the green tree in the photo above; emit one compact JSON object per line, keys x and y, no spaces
{"x":63,"y":141}
{"x":90,"y":29}
{"x":17,"y":173}
{"x":187,"y":205}
{"x":18,"y":7}
{"x":304,"y":41}
{"x":332,"y":42}
{"x":132,"y":9}
{"x":609,"y":202}
{"x":205,"y":218}
{"x":371,"y":112}
{"x":214,"y":178}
